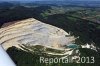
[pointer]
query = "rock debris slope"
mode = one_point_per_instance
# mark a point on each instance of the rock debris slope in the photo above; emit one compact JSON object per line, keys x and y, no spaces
{"x":33,"y":32}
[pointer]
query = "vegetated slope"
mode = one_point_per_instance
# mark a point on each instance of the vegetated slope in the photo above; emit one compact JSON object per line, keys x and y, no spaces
{"x":92,"y":14}
{"x":20,"y":12}
{"x":23,"y":58}
{"x":87,"y":31}
{"x":32,"y":58}
{"x":5,"y":5}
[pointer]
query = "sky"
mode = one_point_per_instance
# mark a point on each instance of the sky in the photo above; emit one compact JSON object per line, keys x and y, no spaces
{"x":46,"y":0}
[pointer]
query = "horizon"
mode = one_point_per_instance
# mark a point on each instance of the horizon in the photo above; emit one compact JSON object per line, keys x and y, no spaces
{"x":47,"y":0}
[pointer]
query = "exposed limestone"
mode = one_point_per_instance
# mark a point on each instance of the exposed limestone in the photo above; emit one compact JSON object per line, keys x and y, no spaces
{"x":33,"y":32}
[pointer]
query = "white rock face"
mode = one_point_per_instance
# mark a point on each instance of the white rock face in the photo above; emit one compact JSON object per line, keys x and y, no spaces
{"x":33,"y":32}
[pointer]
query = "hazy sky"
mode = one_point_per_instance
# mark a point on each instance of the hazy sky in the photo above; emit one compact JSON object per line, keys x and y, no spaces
{"x":48,"y":0}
